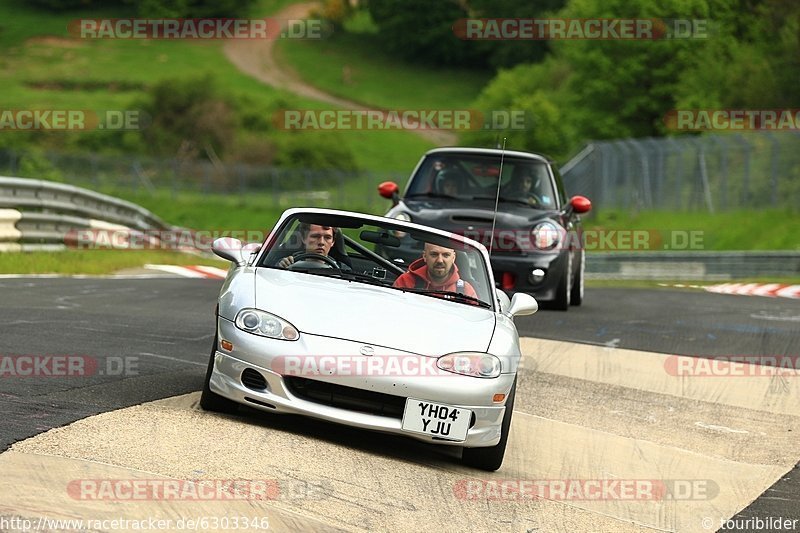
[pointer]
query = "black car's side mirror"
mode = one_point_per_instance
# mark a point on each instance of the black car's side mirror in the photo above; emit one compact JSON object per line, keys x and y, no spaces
{"x":390,"y":191}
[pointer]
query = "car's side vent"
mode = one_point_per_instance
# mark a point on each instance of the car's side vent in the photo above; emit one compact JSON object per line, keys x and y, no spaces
{"x":253,"y":380}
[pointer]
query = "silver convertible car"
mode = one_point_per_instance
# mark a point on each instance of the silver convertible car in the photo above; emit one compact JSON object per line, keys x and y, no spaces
{"x":327,"y":319}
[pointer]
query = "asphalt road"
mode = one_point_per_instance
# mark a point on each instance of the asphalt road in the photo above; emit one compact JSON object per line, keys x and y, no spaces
{"x":147,"y":339}
{"x":162,"y":329}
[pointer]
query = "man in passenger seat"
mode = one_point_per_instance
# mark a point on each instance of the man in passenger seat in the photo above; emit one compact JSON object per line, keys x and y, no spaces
{"x":435,"y":270}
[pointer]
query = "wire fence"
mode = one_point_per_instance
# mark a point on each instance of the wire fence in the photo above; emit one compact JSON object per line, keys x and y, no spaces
{"x":689,"y":173}
{"x":282,"y":187}
{"x":698,"y":173}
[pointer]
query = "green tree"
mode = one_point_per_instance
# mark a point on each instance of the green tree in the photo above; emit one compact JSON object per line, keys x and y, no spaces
{"x":421,"y":30}
{"x":532,"y":90}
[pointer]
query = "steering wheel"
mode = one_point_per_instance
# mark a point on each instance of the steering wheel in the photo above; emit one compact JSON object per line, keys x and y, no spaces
{"x":311,"y":255}
{"x":535,"y":201}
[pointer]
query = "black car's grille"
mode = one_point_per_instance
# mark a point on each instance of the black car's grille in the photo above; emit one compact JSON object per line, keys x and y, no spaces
{"x":375,"y":403}
{"x":253,"y":380}
{"x":472,"y":219}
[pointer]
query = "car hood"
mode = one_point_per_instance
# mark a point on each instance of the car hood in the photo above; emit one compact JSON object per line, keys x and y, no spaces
{"x":458,"y":215}
{"x":380,"y":316}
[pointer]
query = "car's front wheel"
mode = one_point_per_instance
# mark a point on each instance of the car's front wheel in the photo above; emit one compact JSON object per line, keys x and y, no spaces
{"x":577,"y":284}
{"x":564,"y":289}
{"x":211,"y":401}
{"x":492,"y":457}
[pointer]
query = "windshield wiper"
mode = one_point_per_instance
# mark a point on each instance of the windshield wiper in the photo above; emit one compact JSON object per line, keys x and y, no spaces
{"x":366,"y":278}
{"x":452,"y":295}
{"x":503,"y":199}
{"x":430,"y":195}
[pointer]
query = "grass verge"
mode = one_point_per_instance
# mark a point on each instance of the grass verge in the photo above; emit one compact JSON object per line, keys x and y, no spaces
{"x":95,"y":262}
{"x":353,"y":66}
{"x":43,"y":67}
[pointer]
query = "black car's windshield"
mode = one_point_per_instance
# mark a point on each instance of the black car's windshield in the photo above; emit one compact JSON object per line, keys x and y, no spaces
{"x":475,"y":177}
{"x":383,"y":254}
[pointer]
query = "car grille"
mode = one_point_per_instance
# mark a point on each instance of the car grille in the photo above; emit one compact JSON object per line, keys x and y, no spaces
{"x":253,"y":380}
{"x":352,"y":399}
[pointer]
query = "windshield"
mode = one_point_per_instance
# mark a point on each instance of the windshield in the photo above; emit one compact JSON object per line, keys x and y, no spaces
{"x":382,"y":254}
{"x":470,"y":176}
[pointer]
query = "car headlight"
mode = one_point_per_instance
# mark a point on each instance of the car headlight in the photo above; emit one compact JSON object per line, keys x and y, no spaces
{"x":405,"y":217}
{"x":479,"y":365}
{"x":265,"y":324}
{"x":546,"y":235}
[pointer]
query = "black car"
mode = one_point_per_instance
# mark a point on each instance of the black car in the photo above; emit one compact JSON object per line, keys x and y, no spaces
{"x":534,"y":239}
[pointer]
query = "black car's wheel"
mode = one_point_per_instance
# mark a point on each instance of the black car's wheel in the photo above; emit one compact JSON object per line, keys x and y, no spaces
{"x":211,"y":401}
{"x":564,"y":289}
{"x":577,"y":284}
{"x":492,"y":457}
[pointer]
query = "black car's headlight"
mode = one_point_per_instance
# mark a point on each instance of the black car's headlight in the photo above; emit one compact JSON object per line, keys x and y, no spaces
{"x":405,"y":217}
{"x":265,"y":324}
{"x":479,"y":365}
{"x":546,"y":235}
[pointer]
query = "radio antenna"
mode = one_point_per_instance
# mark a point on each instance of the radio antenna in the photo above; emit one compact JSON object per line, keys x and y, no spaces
{"x":497,"y":195}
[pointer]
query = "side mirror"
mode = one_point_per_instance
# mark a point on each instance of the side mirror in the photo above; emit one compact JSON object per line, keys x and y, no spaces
{"x":580,"y":204}
{"x":390,"y":191}
{"x":229,"y":249}
{"x":523,"y":304}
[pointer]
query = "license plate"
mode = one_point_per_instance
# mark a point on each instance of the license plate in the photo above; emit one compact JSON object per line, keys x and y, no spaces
{"x":436,"y":419}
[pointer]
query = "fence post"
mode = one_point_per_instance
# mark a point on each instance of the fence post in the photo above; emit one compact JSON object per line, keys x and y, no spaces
{"x":773,"y":167}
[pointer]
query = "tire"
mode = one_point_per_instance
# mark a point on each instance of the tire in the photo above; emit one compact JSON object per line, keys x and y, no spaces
{"x":577,"y":284}
{"x":564,"y":290}
{"x":211,"y":401}
{"x":491,"y":458}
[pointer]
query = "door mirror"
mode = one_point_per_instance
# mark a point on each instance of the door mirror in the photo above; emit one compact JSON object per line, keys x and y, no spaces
{"x":229,"y":249}
{"x":390,"y":191}
{"x":580,"y":204}
{"x":523,"y":304}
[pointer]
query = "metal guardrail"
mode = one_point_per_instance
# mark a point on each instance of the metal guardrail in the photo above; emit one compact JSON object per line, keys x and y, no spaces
{"x":697,"y":265}
{"x":38,"y":214}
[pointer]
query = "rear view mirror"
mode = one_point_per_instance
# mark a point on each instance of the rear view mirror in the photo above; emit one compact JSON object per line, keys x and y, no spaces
{"x":380,"y":237}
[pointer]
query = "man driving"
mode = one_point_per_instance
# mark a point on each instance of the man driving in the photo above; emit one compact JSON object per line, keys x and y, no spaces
{"x":435,"y":270}
{"x":316,"y":240}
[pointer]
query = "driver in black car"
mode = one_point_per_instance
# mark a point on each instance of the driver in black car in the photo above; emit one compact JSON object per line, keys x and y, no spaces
{"x":316,"y":240}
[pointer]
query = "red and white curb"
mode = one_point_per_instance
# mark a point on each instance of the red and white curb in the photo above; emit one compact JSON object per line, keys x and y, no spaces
{"x":192,"y":271}
{"x":772,"y":290}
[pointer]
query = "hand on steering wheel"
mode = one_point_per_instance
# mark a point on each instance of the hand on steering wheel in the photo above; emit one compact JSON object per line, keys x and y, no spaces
{"x":535,"y":201}
{"x":313,"y":256}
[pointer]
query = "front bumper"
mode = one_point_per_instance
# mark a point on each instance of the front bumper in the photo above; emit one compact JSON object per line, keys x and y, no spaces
{"x":519,"y":267}
{"x":278,"y":394}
